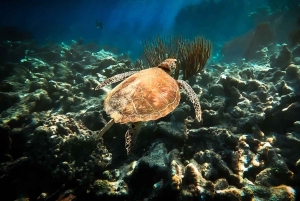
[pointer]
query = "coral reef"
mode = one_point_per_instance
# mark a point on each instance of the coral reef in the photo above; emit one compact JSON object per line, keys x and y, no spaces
{"x":262,"y":37}
{"x":246,"y":148}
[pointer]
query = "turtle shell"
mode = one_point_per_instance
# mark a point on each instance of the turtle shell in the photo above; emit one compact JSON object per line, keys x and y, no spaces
{"x":146,"y":95}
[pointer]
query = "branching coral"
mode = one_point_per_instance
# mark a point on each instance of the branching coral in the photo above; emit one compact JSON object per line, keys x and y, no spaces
{"x":160,"y":48}
{"x":192,"y":55}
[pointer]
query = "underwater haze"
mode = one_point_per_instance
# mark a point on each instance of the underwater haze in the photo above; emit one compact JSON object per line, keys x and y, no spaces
{"x":150,"y":100}
{"x":126,"y":24}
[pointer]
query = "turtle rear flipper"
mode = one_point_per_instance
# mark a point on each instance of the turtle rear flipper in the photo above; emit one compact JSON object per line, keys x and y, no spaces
{"x":193,"y":98}
{"x":105,"y":128}
{"x":131,"y":135}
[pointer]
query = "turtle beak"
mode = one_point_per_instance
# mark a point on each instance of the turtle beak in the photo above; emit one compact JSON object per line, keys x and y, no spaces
{"x":169,"y":65}
{"x":173,"y":65}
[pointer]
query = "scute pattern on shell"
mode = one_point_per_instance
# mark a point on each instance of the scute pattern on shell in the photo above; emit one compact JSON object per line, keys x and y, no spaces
{"x":146,"y":95}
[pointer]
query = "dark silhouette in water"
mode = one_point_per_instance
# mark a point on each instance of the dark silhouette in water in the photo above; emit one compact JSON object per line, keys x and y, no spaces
{"x":99,"y":25}
{"x":294,"y":36}
{"x":79,"y":41}
{"x":14,"y":34}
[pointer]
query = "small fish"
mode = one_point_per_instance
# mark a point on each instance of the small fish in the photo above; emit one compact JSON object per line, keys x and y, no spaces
{"x":99,"y":25}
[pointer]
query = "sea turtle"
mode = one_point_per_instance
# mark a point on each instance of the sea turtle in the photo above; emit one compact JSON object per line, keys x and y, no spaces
{"x":144,"y":95}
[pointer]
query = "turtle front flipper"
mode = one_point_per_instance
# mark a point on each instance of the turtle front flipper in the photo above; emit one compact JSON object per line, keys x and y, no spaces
{"x":131,"y":135}
{"x":114,"y":79}
{"x":193,"y":98}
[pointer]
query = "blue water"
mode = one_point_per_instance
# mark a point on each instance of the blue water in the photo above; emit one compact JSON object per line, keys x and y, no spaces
{"x":51,"y":116}
{"x":127,"y":23}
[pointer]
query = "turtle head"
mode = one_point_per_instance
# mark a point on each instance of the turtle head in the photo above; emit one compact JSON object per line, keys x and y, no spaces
{"x":168,"y":65}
